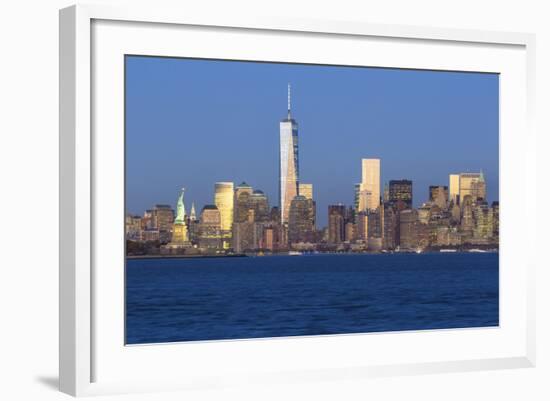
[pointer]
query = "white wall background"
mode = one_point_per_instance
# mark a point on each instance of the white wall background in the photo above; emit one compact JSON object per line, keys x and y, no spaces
{"x":29,"y":200}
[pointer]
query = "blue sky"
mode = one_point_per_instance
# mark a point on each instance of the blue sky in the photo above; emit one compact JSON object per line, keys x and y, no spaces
{"x":192,"y":123}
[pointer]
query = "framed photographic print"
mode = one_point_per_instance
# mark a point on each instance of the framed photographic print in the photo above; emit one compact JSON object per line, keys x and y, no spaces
{"x":419,"y":252}
{"x":270,"y":199}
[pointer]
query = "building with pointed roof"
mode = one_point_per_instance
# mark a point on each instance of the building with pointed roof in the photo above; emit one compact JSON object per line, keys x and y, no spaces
{"x":288,"y":162}
{"x":472,"y":184}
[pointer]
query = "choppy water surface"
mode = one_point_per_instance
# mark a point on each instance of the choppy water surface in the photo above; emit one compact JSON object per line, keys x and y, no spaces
{"x":231,"y":298}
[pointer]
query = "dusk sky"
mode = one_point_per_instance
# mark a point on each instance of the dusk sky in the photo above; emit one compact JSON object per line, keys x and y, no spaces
{"x":191,"y":123}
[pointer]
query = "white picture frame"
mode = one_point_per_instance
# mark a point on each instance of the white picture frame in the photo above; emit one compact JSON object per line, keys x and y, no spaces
{"x":91,"y":40}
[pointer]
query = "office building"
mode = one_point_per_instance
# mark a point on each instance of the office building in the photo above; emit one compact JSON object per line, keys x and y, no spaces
{"x":496,"y":216}
{"x":456,"y":213}
{"x":375,"y":223}
{"x":472,"y":184}
{"x":275,"y":215}
{"x":389,"y":227}
{"x":350,"y":229}
{"x":357,"y":196}
{"x":386,"y":196}
{"x":149,"y":234}
{"x":247,"y":236}
{"x":133,"y":227}
{"x":467,"y":184}
{"x":336,"y":223}
{"x":224,"y":198}
{"x":269,"y":238}
{"x":259,"y":203}
{"x":306,"y":190}
{"x":253,"y":214}
{"x":243,"y":192}
{"x":301,"y":220}
{"x":424,"y":213}
{"x":483,"y":216}
{"x":210,"y":233}
{"x":193,"y":224}
{"x":400,"y":194}
{"x":408,"y":222}
{"x":454,"y":188}
{"x":467,"y":222}
{"x":447,"y":236}
{"x":162,"y":218}
{"x":369,"y":190}
{"x":288,"y":162}
{"x":362,"y":221}
{"x":439,"y":194}
{"x":147,"y":220}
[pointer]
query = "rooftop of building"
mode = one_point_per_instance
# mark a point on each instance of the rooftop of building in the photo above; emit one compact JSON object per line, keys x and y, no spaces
{"x":243,"y":185}
{"x":289,"y":120}
{"x":224,"y":184}
{"x":161,"y":206}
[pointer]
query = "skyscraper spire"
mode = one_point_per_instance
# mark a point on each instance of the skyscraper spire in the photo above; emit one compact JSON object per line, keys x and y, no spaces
{"x":288,"y":101}
{"x":288,"y":163}
{"x":193,"y":215}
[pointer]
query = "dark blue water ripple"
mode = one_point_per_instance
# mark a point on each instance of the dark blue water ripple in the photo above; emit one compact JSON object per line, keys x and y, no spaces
{"x":231,"y":298}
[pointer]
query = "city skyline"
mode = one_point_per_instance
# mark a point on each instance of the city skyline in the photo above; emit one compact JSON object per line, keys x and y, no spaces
{"x":331,"y":189}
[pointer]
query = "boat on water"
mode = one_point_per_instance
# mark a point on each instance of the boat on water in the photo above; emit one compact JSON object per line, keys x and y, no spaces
{"x":477,"y":250}
{"x":294,"y":253}
{"x":447,"y":250}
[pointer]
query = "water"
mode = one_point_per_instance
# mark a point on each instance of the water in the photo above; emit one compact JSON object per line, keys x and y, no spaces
{"x":231,"y":298}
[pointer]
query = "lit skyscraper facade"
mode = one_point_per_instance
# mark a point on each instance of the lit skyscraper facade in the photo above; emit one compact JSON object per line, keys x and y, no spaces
{"x":357,"y":196}
{"x":133,"y":227}
{"x":401,"y":191}
{"x":472,"y":184}
{"x":243,"y":192}
{"x":464,"y":184}
{"x":336,"y":223}
{"x":301,"y":225}
{"x":209,"y":228}
{"x":369,"y":195}
{"x":260,"y":205}
{"x":454,"y":188}
{"x":439,"y":194}
{"x":483,"y":215}
{"x":162,"y":217}
{"x":224,"y":201}
{"x":306,"y":190}
{"x":288,"y":163}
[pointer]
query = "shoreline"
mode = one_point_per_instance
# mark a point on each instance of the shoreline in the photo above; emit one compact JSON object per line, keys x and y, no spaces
{"x":242,"y":255}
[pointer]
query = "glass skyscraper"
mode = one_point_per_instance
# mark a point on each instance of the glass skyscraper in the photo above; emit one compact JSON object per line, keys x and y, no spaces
{"x":369,"y":195}
{"x":401,"y":190}
{"x":288,"y":163}
{"x":224,"y":200}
